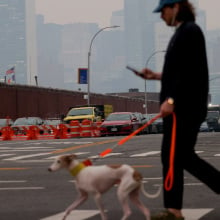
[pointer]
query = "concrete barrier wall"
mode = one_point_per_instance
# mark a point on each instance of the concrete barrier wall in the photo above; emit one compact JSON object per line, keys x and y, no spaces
{"x":20,"y":101}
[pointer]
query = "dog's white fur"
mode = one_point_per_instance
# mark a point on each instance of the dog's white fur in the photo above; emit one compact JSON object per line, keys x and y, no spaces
{"x":96,"y":180}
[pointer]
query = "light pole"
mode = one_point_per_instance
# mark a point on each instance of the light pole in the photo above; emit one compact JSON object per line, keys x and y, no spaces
{"x":145,"y":81}
{"x":89,"y":55}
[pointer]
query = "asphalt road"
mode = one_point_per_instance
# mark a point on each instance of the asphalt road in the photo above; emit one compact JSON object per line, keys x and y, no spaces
{"x":29,"y":192}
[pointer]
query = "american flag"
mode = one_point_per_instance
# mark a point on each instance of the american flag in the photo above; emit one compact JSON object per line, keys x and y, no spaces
{"x":10,"y":71}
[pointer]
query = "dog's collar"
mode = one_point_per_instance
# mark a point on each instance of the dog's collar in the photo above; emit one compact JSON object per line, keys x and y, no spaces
{"x":77,"y":169}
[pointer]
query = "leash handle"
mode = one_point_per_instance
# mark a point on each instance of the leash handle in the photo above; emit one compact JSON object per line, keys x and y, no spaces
{"x":168,"y":184}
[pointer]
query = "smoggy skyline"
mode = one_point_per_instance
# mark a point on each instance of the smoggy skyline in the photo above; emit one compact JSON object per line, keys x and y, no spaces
{"x":99,"y":11}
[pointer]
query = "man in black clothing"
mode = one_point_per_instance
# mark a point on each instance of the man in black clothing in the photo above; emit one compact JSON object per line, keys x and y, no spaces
{"x":184,"y":91}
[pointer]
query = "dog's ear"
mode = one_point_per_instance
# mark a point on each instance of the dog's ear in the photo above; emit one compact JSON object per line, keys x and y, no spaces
{"x":72,"y":156}
{"x":67,"y":159}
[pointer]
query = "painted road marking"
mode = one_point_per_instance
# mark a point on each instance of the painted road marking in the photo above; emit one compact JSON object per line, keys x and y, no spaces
{"x":14,"y":168}
{"x":217,"y":155}
{"x":13,"y":181}
{"x":76,"y":215}
{"x":78,"y":153}
{"x":108,"y":155}
{"x":145,"y":154}
{"x":199,"y":152}
{"x":83,"y":146}
{"x":190,"y":214}
{"x":195,"y":214}
{"x":20,"y":188}
{"x":26,"y":156}
{"x":27,"y":150}
{"x":6,"y":155}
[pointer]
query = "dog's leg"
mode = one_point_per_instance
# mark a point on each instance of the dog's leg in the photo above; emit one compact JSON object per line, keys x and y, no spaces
{"x":134,"y":196}
{"x":97,"y":197}
{"x":123,"y":199}
{"x":83,"y":196}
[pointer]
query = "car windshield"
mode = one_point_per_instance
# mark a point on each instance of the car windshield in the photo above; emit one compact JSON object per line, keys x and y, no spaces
{"x":204,"y":124}
{"x":52,"y":122}
{"x":118,"y":117}
{"x":25,"y":121}
{"x":2,"y":122}
{"x":75,"y":112}
{"x":214,"y":114}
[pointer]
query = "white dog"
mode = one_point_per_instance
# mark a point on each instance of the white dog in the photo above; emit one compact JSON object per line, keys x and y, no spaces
{"x":98,"y":179}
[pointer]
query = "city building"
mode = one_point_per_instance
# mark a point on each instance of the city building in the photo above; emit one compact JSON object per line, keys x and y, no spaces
{"x":18,"y":41}
{"x":49,"y":47}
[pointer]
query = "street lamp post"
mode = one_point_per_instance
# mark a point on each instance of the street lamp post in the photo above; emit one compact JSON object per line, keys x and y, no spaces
{"x":89,"y":55}
{"x":145,"y":81}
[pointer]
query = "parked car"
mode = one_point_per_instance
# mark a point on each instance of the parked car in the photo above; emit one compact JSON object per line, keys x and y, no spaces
{"x":20,"y":125}
{"x":142,"y":120}
{"x":152,"y":129}
{"x":53,"y":121}
{"x":204,"y":127}
{"x":5,"y":122}
{"x":213,"y":120}
{"x":159,"y":125}
{"x":119,"y":123}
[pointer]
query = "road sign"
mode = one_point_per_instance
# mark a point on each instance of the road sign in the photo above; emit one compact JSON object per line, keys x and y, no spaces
{"x":82,"y":76}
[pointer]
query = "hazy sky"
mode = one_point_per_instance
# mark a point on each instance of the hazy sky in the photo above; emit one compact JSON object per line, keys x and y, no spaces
{"x":99,"y":11}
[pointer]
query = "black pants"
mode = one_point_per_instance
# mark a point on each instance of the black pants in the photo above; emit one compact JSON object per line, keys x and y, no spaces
{"x":185,"y":159}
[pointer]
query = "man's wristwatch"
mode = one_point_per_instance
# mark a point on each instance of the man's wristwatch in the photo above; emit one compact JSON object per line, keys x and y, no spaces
{"x":170,"y":101}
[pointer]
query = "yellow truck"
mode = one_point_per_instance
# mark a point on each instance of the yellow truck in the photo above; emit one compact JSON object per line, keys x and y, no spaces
{"x":93,"y":113}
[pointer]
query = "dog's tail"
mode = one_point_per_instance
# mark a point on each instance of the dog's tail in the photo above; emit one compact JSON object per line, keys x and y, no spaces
{"x":148,"y":195}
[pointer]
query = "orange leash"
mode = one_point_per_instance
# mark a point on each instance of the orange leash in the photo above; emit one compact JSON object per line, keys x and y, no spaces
{"x":168,"y":184}
{"x":122,"y":141}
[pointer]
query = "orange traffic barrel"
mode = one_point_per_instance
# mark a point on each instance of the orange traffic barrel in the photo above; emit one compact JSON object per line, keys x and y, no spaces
{"x":75,"y":129}
{"x":86,"y":128}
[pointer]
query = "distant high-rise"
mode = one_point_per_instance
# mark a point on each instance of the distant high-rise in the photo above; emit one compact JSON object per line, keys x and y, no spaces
{"x":18,"y":39}
{"x":139,"y":36}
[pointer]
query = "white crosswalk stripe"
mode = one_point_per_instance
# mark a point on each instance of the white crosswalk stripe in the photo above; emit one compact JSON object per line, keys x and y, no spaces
{"x":26,"y":156}
{"x":146,"y":154}
{"x":6,"y":155}
{"x":9,"y":153}
{"x":77,"y":215}
{"x":190,"y":214}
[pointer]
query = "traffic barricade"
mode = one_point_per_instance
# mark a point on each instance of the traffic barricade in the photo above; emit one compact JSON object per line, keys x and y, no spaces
{"x":47,"y":131}
{"x":86,"y":128}
{"x":32,"y":133}
{"x":75,"y":129}
{"x":63,"y":132}
{"x":7,"y":133}
{"x":96,"y":129}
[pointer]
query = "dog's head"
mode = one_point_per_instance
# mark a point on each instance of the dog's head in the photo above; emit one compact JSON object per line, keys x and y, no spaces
{"x":63,"y":161}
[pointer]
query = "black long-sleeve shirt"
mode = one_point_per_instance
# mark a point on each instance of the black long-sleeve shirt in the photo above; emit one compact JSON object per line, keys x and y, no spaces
{"x":185,"y":72}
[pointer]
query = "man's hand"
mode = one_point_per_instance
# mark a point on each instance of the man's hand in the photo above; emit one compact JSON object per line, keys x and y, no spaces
{"x":149,"y":74}
{"x":166,"y":109}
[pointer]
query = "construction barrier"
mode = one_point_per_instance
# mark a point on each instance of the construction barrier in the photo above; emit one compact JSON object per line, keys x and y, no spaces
{"x":44,"y":132}
{"x":63,"y":132}
{"x":96,"y":129}
{"x":86,"y":128}
{"x":32,"y":133}
{"x":7,"y":133}
{"x":75,"y":129}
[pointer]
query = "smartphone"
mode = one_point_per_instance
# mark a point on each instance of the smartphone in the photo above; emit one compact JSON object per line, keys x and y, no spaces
{"x":137,"y":72}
